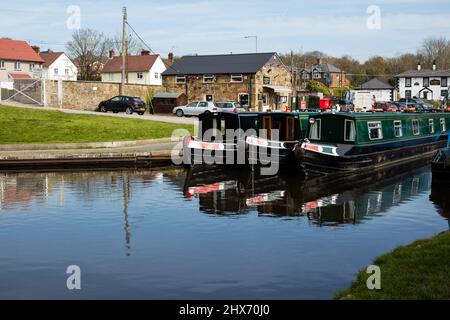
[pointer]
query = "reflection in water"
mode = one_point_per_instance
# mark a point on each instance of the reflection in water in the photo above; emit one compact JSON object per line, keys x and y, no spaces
{"x":440,"y":196}
{"x":176,"y":234}
{"x":330,"y":200}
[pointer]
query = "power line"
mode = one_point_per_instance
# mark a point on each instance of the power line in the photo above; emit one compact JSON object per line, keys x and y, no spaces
{"x":139,"y":37}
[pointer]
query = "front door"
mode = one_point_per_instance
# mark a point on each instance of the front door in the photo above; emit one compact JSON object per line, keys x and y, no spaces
{"x":425,"y":95}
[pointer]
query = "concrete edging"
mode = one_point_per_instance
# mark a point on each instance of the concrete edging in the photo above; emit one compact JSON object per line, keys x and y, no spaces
{"x":91,"y":145}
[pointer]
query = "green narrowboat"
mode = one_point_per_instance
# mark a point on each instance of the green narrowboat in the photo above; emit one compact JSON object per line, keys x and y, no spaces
{"x":257,"y":133}
{"x":355,"y":141}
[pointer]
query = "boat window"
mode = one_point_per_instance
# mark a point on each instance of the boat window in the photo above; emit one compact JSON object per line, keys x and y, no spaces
{"x":398,"y":129}
{"x":315,"y":130}
{"x":431,"y":125}
{"x":267,"y":127}
{"x":415,"y":127}
{"x":375,"y":130}
{"x":349,"y":130}
{"x":290,"y":129}
{"x":443,"y":126}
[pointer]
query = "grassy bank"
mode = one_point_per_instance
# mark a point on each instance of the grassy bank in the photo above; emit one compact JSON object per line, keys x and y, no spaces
{"x":20,"y":126}
{"x":418,"y":271}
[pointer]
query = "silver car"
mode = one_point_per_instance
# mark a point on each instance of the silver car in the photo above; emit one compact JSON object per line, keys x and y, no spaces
{"x":196,"y":108}
{"x":231,"y":107}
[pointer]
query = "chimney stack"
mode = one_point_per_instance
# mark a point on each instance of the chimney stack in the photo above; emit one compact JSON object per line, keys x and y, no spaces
{"x":112,"y":53}
{"x":49,"y":50}
{"x":319,"y":60}
{"x":145,"y":52}
{"x":419,"y":66}
{"x":170,"y":57}
{"x":36,"y":49}
{"x":434,"y":65}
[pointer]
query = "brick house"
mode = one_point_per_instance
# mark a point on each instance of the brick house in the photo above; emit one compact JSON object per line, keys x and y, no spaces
{"x":18,"y":60}
{"x":259,"y":80}
{"x":325,"y":73}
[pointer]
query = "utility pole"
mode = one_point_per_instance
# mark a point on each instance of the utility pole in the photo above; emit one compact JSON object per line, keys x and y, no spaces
{"x":124,"y":50}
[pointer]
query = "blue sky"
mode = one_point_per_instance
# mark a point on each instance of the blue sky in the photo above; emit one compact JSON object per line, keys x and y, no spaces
{"x":218,"y":26}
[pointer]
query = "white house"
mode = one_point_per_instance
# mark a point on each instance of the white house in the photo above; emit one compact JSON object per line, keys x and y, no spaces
{"x":141,"y":69}
{"x":57,"y":65}
{"x":423,"y":83}
{"x":382,"y":91}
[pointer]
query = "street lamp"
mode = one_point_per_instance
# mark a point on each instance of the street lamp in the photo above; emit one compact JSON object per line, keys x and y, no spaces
{"x":256,"y":40}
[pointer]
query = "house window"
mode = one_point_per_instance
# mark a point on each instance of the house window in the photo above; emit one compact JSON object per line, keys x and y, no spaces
{"x":398,"y":129}
{"x":110,"y":76}
{"x":426,"y":82}
{"x":31,"y":67}
{"x":349,"y":130}
{"x":444,"y":82}
{"x":180,"y":79}
{"x":316,"y":75}
{"x":431,"y":125}
{"x":66,"y":71}
{"x":244,"y":99}
{"x":444,"y":93}
{"x":2,"y":64}
{"x":140,"y":75}
{"x":237,"y":78}
{"x":443,"y":126}
{"x":415,"y":127}
{"x":156,"y":75}
{"x":408,"y":82}
{"x":375,"y":130}
{"x":208,"y":78}
{"x":56,"y":71}
{"x":315,"y":130}
{"x":17,"y":65}
{"x":408,"y":94}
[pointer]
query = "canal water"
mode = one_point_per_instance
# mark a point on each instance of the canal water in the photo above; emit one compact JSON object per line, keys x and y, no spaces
{"x":177,"y":234}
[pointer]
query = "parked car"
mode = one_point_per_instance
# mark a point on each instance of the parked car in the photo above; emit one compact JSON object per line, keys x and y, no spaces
{"x":196,"y":108}
{"x":384,"y":107}
{"x":123,"y":104}
{"x":415,"y":103}
{"x":231,"y":106}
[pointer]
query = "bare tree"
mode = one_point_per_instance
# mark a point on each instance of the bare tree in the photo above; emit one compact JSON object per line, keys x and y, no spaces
{"x":89,"y":49}
{"x":436,"y":49}
{"x":134,"y":46}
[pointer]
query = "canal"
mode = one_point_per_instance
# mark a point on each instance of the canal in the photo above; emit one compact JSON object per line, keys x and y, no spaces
{"x":178,"y":234}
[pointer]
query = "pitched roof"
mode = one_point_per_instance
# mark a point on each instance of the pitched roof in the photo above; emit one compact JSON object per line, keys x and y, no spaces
{"x":374,"y":84}
{"x":323,"y":67}
{"x":140,"y":63}
{"x":49,"y":57}
{"x":220,"y":64}
{"x":19,"y":75}
{"x":424,"y":73}
{"x":18,"y":50}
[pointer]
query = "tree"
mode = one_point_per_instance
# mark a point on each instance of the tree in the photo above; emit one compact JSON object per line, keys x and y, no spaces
{"x":89,"y":49}
{"x":133,"y":46}
{"x":436,"y":49}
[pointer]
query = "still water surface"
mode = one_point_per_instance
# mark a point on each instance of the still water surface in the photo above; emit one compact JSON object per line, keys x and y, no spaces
{"x":174,"y":234}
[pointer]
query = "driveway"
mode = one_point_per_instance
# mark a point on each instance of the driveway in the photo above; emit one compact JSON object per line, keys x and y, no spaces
{"x":161,"y":118}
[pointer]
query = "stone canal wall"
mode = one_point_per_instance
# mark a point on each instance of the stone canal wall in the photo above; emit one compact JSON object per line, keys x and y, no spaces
{"x":86,"y":95}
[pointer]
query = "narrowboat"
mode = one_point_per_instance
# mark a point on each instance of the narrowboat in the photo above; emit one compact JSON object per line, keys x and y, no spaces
{"x":357,"y":141}
{"x":248,"y":138}
{"x":441,"y":165}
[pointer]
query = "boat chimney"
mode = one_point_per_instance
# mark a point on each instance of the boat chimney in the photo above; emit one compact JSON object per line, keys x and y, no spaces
{"x":419,"y":66}
{"x":434,"y":65}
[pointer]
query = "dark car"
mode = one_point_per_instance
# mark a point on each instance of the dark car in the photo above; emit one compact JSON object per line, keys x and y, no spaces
{"x":123,"y":104}
{"x":419,"y":104}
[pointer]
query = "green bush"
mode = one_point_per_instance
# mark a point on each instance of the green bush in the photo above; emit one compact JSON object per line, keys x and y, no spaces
{"x":315,"y":86}
{"x":149,"y":100}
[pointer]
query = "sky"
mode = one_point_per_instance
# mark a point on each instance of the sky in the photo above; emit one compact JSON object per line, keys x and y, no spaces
{"x":336,"y":27}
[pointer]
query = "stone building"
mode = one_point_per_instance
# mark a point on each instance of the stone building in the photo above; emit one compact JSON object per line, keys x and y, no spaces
{"x":259,"y":81}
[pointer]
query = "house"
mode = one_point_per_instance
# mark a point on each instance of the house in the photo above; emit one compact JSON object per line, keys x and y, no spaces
{"x":325,"y":73}
{"x":57,"y":65}
{"x":18,"y":60}
{"x":382,"y":91}
{"x":258,"y":80}
{"x":141,"y":69}
{"x":423,"y":83}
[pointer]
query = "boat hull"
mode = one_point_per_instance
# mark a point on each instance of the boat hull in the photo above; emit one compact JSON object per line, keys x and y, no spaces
{"x":358,"y":158}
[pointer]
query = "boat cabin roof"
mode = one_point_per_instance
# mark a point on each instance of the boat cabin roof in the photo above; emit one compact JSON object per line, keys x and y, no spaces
{"x":380,"y":115}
